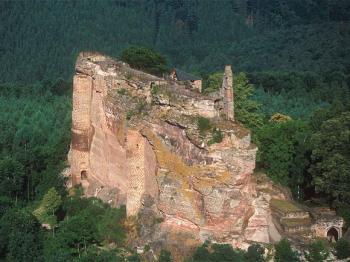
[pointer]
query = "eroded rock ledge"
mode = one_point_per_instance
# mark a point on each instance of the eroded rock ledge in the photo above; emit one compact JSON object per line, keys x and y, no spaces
{"x":136,"y":142}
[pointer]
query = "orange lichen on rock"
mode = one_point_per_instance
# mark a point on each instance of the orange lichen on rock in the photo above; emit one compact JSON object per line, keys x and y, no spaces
{"x":136,"y":142}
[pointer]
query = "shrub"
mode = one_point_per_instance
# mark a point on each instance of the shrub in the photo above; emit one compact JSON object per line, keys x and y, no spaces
{"x":217,"y":136}
{"x":255,"y":253}
{"x":318,"y":251}
{"x":129,"y":115}
{"x":145,"y":59}
{"x":203,"y":124}
{"x":285,"y":253}
{"x":140,"y":107}
{"x":154,"y":89}
{"x":165,"y":256}
{"x":147,"y":248}
{"x":122,"y":91}
{"x":342,"y":248}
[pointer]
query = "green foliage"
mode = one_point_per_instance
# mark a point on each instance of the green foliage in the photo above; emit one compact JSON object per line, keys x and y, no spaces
{"x":35,"y":135}
{"x":165,"y":256}
{"x":285,"y":35}
{"x":217,"y":136}
{"x":331,"y":160}
{"x":284,"y":147}
{"x":288,"y":39}
{"x":213,"y":82}
{"x":342,"y":248}
{"x":110,"y":228}
{"x":255,"y":253}
{"x":12,"y":177}
{"x":129,"y":115}
{"x":45,"y":213}
{"x":155,"y":89}
{"x":88,"y":222}
{"x":246,"y":109}
{"x":318,"y":251}
{"x":122,"y":91}
{"x":144,"y":59}
{"x":203,"y":125}
{"x":19,"y":236}
{"x":217,"y":252}
{"x":284,"y":252}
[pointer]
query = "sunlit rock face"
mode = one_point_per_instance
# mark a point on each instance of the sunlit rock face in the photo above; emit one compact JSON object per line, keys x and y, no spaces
{"x":136,"y":142}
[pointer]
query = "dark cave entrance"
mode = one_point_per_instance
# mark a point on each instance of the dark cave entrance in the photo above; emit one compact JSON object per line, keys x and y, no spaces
{"x":332,"y":235}
{"x":83,"y":175}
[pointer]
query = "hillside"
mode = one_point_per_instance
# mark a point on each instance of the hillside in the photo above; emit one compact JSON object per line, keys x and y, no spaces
{"x":109,"y":158}
{"x":41,"y":39}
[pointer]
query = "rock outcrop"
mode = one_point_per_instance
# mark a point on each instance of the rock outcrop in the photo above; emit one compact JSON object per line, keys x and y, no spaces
{"x":136,"y":142}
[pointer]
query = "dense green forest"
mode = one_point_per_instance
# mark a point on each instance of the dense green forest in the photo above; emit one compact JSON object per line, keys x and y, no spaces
{"x":291,"y":61}
{"x":41,"y":39}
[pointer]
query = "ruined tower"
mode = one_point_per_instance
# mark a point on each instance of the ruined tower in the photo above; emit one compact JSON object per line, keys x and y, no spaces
{"x":81,"y":127}
{"x":227,"y":93}
{"x":135,"y":143}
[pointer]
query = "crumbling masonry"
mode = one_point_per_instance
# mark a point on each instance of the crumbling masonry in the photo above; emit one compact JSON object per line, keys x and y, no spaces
{"x":136,"y":142}
{"x":227,"y":93}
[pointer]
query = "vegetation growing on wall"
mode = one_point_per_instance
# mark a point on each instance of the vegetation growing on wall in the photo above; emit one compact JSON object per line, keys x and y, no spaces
{"x":295,"y":55}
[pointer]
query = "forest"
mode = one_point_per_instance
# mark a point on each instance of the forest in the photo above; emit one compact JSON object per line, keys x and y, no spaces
{"x":291,"y":61}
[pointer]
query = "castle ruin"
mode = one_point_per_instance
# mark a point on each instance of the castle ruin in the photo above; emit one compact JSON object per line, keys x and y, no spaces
{"x":136,"y":142}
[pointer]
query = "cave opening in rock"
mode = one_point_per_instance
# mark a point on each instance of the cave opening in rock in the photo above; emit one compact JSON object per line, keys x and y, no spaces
{"x":83,"y":175}
{"x":332,"y":234}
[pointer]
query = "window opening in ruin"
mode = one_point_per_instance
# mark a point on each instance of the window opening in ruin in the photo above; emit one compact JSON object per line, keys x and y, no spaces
{"x":332,"y":235}
{"x":83,"y":175}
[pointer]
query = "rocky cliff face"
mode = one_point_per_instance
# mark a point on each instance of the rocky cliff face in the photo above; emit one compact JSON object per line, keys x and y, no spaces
{"x":136,"y":142}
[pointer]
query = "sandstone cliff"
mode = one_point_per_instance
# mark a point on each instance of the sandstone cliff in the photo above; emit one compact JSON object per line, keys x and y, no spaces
{"x":136,"y":142}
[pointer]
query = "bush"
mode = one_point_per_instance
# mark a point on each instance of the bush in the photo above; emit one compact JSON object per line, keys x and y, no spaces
{"x":122,"y":91}
{"x":217,"y":136}
{"x":342,"y":248}
{"x":217,"y":252}
{"x":255,"y":253}
{"x":155,"y":89}
{"x":284,"y":252}
{"x":145,"y":59}
{"x":318,"y":251}
{"x":203,"y":124}
{"x":165,"y":256}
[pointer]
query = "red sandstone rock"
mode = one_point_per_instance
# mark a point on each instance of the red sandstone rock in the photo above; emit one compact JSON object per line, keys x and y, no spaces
{"x":135,"y":142}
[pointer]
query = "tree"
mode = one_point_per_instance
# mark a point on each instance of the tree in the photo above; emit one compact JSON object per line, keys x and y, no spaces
{"x":284,"y":149}
{"x":45,"y":213}
{"x":246,"y":109}
{"x":201,"y":253}
{"x":19,"y":236}
{"x":284,"y":252}
{"x":255,"y":253}
{"x":12,"y":177}
{"x":330,"y":166}
{"x":145,"y":59}
{"x":342,"y":248}
{"x":110,"y":226}
{"x":217,"y":252}
{"x":318,"y":251}
{"x":213,"y":82}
